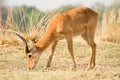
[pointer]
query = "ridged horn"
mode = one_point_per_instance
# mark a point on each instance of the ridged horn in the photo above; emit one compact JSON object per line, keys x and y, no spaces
{"x":25,"y":42}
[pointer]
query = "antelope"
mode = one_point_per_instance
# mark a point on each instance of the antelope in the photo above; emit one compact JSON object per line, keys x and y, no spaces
{"x":74,"y":22}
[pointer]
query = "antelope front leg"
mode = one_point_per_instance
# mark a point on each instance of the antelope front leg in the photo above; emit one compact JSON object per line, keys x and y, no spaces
{"x":53,"y":50}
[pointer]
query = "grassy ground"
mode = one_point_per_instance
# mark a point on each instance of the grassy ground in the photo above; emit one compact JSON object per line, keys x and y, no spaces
{"x":13,"y":63}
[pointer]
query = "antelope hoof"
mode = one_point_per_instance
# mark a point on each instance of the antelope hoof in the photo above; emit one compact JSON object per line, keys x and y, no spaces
{"x":90,"y":67}
{"x":29,"y":69}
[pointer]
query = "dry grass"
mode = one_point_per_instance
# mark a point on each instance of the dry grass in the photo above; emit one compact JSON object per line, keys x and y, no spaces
{"x":3,"y":38}
{"x":13,"y":63}
{"x":32,"y":33}
{"x":110,"y":28}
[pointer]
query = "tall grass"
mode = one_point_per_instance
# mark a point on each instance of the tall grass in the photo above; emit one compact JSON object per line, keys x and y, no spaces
{"x":32,"y":26}
{"x":110,"y":26}
{"x":27,"y":21}
{"x":32,"y":31}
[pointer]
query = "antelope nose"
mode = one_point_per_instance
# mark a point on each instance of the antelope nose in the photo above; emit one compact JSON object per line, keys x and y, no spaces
{"x":30,"y":68}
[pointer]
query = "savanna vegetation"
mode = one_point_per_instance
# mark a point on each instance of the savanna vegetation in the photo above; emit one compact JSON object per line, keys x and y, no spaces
{"x":31,"y":23}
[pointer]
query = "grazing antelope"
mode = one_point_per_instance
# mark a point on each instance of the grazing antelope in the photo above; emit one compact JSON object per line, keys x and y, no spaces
{"x":77,"y":21}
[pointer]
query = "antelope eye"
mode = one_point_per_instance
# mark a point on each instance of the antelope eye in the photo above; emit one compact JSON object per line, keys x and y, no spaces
{"x":29,"y":56}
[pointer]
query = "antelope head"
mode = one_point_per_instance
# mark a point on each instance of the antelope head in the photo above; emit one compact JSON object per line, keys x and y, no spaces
{"x":32,"y":54}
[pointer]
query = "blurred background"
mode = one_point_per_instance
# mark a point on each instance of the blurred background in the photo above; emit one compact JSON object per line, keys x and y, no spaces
{"x":30,"y":17}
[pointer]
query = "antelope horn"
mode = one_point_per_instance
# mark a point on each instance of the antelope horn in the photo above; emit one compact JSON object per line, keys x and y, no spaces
{"x":25,"y":42}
